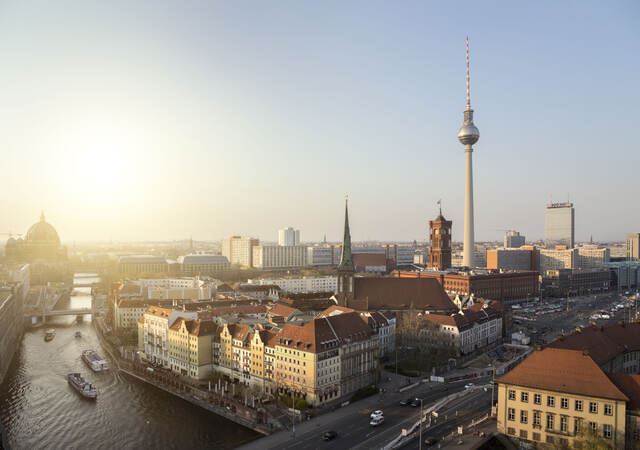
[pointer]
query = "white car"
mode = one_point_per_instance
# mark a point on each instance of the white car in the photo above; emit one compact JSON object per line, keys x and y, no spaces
{"x":376,"y":414}
{"x":469,"y":385}
{"x":377,"y":421}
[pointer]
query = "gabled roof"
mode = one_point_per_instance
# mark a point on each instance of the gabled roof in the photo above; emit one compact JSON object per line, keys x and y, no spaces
{"x":603,"y":343}
{"x":279,"y":309}
{"x":630,"y":385}
{"x":561,"y":370}
{"x":401,"y":293}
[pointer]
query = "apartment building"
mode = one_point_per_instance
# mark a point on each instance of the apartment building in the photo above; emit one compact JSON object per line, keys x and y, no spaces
{"x":301,"y":284}
{"x":466,"y":331}
{"x":155,"y":332}
{"x":270,"y":257}
{"x":592,"y":256}
{"x":239,"y":250}
{"x":191,"y":347}
{"x":321,"y":361}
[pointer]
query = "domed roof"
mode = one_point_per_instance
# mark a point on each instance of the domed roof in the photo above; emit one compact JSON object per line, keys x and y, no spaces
{"x":42,"y":232}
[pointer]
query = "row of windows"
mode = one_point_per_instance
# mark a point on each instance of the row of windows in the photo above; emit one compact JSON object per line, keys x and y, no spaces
{"x":551,"y":422}
{"x":607,"y":433}
{"x":564,"y":402}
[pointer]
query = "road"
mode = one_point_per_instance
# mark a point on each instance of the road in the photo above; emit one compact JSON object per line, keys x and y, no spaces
{"x":354,"y":432}
{"x":468,"y":408}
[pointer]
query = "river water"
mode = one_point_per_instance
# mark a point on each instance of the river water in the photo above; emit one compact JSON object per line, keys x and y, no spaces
{"x":38,"y":409}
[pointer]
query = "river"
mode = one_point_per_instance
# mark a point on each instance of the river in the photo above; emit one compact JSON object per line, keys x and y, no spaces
{"x":38,"y":409}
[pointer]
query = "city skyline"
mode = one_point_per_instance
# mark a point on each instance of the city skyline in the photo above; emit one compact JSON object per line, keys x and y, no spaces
{"x":156,"y":130}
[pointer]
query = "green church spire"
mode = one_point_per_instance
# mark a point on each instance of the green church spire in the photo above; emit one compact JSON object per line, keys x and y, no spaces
{"x":346,"y":259}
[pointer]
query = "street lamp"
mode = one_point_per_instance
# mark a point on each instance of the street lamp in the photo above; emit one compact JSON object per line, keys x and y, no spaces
{"x":420,"y":425}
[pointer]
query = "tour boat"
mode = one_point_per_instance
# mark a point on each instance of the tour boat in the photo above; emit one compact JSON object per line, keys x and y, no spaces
{"x":49,"y":334}
{"x":81,"y":385}
{"x":95,"y":361}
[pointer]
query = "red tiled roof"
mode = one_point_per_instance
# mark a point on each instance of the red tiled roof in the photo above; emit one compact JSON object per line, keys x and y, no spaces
{"x":630,"y":385}
{"x":603,"y":343}
{"x":562,"y":370}
{"x":402,"y":293}
{"x":279,"y":309}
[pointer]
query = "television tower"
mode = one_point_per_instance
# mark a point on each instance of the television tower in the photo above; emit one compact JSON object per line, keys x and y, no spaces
{"x":468,"y":135}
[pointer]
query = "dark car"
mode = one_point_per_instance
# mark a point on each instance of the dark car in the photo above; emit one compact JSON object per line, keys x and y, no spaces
{"x":415,"y":402}
{"x":406,"y":402}
{"x":431,"y":441}
{"x":329,"y":435}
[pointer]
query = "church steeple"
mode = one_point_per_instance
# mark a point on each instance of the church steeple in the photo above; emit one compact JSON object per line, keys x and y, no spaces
{"x":346,"y":259}
{"x":345,"y":268}
{"x":42,"y":215}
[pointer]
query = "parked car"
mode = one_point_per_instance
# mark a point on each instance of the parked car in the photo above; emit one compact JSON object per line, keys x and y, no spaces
{"x":377,"y":421}
{"x":376,"y":414}
{"x":329,"y":435}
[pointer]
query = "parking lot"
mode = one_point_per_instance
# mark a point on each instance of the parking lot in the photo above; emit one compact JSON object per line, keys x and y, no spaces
{"x":546,"y":319}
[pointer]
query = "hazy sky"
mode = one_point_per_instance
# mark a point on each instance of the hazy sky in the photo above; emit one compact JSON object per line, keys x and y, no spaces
{"x":161,"y":120}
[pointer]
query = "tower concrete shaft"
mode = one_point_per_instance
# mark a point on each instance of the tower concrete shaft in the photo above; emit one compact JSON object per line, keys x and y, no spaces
{"x":469,"y":241}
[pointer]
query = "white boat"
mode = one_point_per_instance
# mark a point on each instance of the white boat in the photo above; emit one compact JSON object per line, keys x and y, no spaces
{"x":95,"y":361}
{"x":81,"y":385}
{"x":49,"y":334}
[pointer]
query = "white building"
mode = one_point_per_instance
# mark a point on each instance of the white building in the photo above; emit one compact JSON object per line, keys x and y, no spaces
{"x":553,"y":259}
{"x":155,"y":329}
{"x":279,"y":257}
{"x":301,"y":285}
{"x":592,"y":256}
{"x":288,"y":237}
{"x":239,"y":250}
{"x":188,"y":288}
{"x":323,"y":255}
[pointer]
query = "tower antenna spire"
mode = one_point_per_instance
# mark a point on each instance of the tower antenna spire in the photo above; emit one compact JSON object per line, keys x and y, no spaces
{"x":468,"y":83}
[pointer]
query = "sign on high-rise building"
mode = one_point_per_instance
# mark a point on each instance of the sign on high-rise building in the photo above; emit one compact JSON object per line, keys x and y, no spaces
{"x":559,"y":225}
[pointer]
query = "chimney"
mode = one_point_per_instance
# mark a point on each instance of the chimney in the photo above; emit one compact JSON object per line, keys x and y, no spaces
{"x":585,"y":352}
{"x":538,"y":347}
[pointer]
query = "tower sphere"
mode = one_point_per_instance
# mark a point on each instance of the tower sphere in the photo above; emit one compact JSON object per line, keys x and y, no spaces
{"x":468,"y":134}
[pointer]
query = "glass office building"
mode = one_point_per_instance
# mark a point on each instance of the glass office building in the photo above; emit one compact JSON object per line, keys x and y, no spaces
{"x":559,"y":225}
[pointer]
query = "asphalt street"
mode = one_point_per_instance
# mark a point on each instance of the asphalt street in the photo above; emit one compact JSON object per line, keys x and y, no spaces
{"x":354,"y":432}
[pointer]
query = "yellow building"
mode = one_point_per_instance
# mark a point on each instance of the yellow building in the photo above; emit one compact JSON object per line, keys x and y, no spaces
{"x":556,"y":394}
{"x":190,"y":347}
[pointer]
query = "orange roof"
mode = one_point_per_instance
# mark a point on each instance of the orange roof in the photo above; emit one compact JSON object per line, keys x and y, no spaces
{"x":562,"y":370}
{"x":401,"y":293}
{"x":280,"y":309}
{"x":630,"y":385}
{"x":158,"y":311}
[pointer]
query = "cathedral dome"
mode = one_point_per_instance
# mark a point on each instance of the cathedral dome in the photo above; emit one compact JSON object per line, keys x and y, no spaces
{"x":42,"y":232}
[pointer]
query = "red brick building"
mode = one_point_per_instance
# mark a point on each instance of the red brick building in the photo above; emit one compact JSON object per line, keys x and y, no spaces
{"x":505,"y":287}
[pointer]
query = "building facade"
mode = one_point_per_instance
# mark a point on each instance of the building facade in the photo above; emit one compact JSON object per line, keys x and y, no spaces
{"x":239,"y":250}
{"x":555,"y":395}
{"x":323,"y":255}
{"x":202,"y":264}
{"x":302,"y":284}
{"x":558,"y":258}
{"x":142,"y":264}
{"x":271,"y":257}
{"x":592,"y":256}
{"x":633,"y":246}
{"x":559,"y":224}
{"x":191,"y":347}
{"x":512,"y":239}
{"x":288,"y":236}
{"x":564,"y":282}
{"x":512,"y":259}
